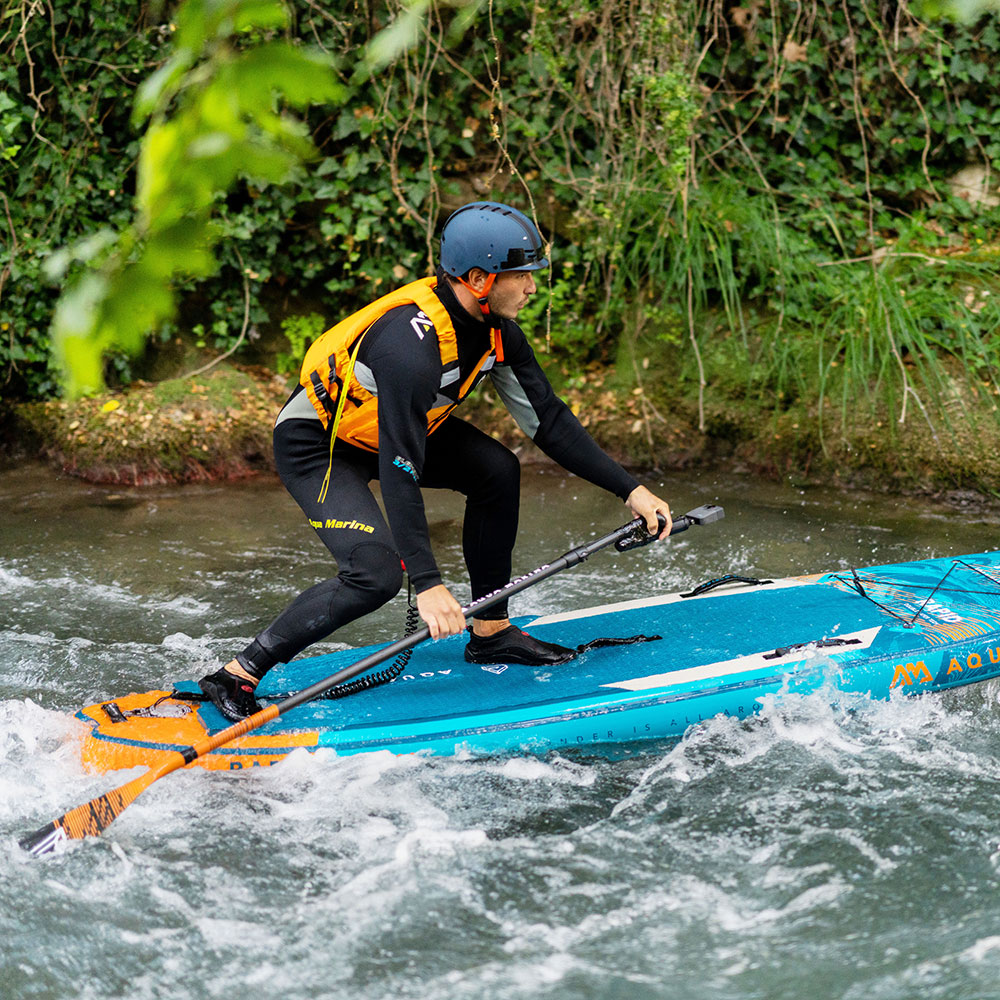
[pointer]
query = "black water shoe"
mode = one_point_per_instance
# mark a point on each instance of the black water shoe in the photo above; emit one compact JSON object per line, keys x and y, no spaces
{"x":231,"y":695}
{"x":511,"y":645}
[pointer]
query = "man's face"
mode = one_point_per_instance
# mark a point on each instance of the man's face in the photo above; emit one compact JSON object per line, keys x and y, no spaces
{"x":510,"y":293}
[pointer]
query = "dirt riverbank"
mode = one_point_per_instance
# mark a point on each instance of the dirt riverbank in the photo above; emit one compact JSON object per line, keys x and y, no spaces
{"x":217,"y":426}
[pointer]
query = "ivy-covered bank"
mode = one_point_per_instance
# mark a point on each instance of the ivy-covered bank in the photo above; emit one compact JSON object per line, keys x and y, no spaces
{"x":774,"y":226}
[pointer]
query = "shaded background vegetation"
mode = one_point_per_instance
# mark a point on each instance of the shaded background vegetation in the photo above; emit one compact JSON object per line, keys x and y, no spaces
{"x":757,"y":206}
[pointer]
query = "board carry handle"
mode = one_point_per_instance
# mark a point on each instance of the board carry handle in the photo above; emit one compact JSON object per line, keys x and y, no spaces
{"x":92,"y":818}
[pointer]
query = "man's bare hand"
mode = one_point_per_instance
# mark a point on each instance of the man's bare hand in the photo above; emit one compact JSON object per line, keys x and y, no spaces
{"x":440,"y":611}
{"x":647,"y":505}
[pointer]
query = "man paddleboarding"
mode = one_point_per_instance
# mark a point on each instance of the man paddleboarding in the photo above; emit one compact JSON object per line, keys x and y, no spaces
{"x":375,"y":401}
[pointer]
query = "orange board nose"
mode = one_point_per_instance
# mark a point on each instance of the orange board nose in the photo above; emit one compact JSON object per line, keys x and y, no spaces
{"x":154,"y":726}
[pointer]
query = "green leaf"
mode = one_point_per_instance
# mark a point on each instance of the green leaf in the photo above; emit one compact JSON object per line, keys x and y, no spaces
{"x":195,"y":23}
{"x":159,"y":87}
{"x":209,"y":144}
{"x":265,"y":163}
{"x":137,"y":302}
{"x":301,"y":76}
{"x":73,"y":333}
{"x":181,"y":248}
{"x":259,"y":14}
{"x":401,"y":35}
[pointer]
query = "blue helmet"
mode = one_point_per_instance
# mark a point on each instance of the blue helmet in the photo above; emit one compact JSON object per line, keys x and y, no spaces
{"x":491,"y":236}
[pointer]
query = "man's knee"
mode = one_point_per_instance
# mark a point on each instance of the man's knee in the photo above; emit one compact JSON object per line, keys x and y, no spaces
{"x":509,"y":468}
{"x":375,"y":570}
{"x":501,"y":476}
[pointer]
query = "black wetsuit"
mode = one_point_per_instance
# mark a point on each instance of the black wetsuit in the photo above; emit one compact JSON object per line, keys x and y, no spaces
{"x":400,"y":360}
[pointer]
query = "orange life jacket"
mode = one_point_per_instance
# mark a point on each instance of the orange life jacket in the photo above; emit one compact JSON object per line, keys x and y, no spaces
{"x":329,"y":365}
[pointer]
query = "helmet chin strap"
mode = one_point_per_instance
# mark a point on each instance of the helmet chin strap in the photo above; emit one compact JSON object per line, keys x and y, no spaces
{"x":483,"y":294}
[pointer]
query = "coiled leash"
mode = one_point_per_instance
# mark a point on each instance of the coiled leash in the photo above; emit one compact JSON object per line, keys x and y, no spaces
{"x":366,"y":681}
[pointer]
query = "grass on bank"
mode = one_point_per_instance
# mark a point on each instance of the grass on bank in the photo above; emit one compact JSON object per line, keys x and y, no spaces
{"x":218,"y":426}
{"x":213,"y":426}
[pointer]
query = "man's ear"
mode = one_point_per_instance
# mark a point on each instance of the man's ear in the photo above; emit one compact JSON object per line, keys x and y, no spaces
{"x":477,"y":279}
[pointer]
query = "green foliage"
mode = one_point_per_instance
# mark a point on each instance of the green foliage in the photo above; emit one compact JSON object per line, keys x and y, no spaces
{"x":299,"y":331}
{"x":894,"y":327}
{"x":607,"y":132}
{"x":762,"y":191}
{"x":424,"y":131}
{"x":213,"y":117}
{"x":848,"y":131}
{"x":67,"y":74}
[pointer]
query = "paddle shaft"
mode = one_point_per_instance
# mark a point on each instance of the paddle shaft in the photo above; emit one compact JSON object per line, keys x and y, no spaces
{"x":572,"y":558}
{"x":97,"y":815}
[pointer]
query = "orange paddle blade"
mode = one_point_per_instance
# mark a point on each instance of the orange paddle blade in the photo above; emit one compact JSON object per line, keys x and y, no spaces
{"x":90,"y":819}
{"x":95,"y":816}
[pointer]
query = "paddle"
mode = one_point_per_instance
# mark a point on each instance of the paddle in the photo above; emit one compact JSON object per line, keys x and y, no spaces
{"x":97,"y":815}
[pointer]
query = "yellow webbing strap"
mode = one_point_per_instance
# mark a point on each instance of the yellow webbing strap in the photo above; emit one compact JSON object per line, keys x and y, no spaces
{"x":348,"y":375}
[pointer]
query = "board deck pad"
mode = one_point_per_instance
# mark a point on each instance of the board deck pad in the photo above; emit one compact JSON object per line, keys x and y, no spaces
{"x":921,"y":626}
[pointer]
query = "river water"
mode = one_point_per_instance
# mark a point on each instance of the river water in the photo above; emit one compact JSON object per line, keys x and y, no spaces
{"x":849,"y":852}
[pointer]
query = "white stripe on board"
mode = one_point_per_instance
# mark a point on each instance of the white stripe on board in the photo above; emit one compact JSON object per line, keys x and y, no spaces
{"x":653,"y":602}
{"x":745,"y":664}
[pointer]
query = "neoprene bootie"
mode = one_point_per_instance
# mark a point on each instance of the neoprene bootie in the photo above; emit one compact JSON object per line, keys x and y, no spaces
{"x":511,"y":645}
{"x":232,"y":696}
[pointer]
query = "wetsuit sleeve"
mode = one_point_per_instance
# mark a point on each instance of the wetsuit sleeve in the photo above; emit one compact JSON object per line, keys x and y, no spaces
{"x":548,"y":421}
{"x":407,"y":373}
